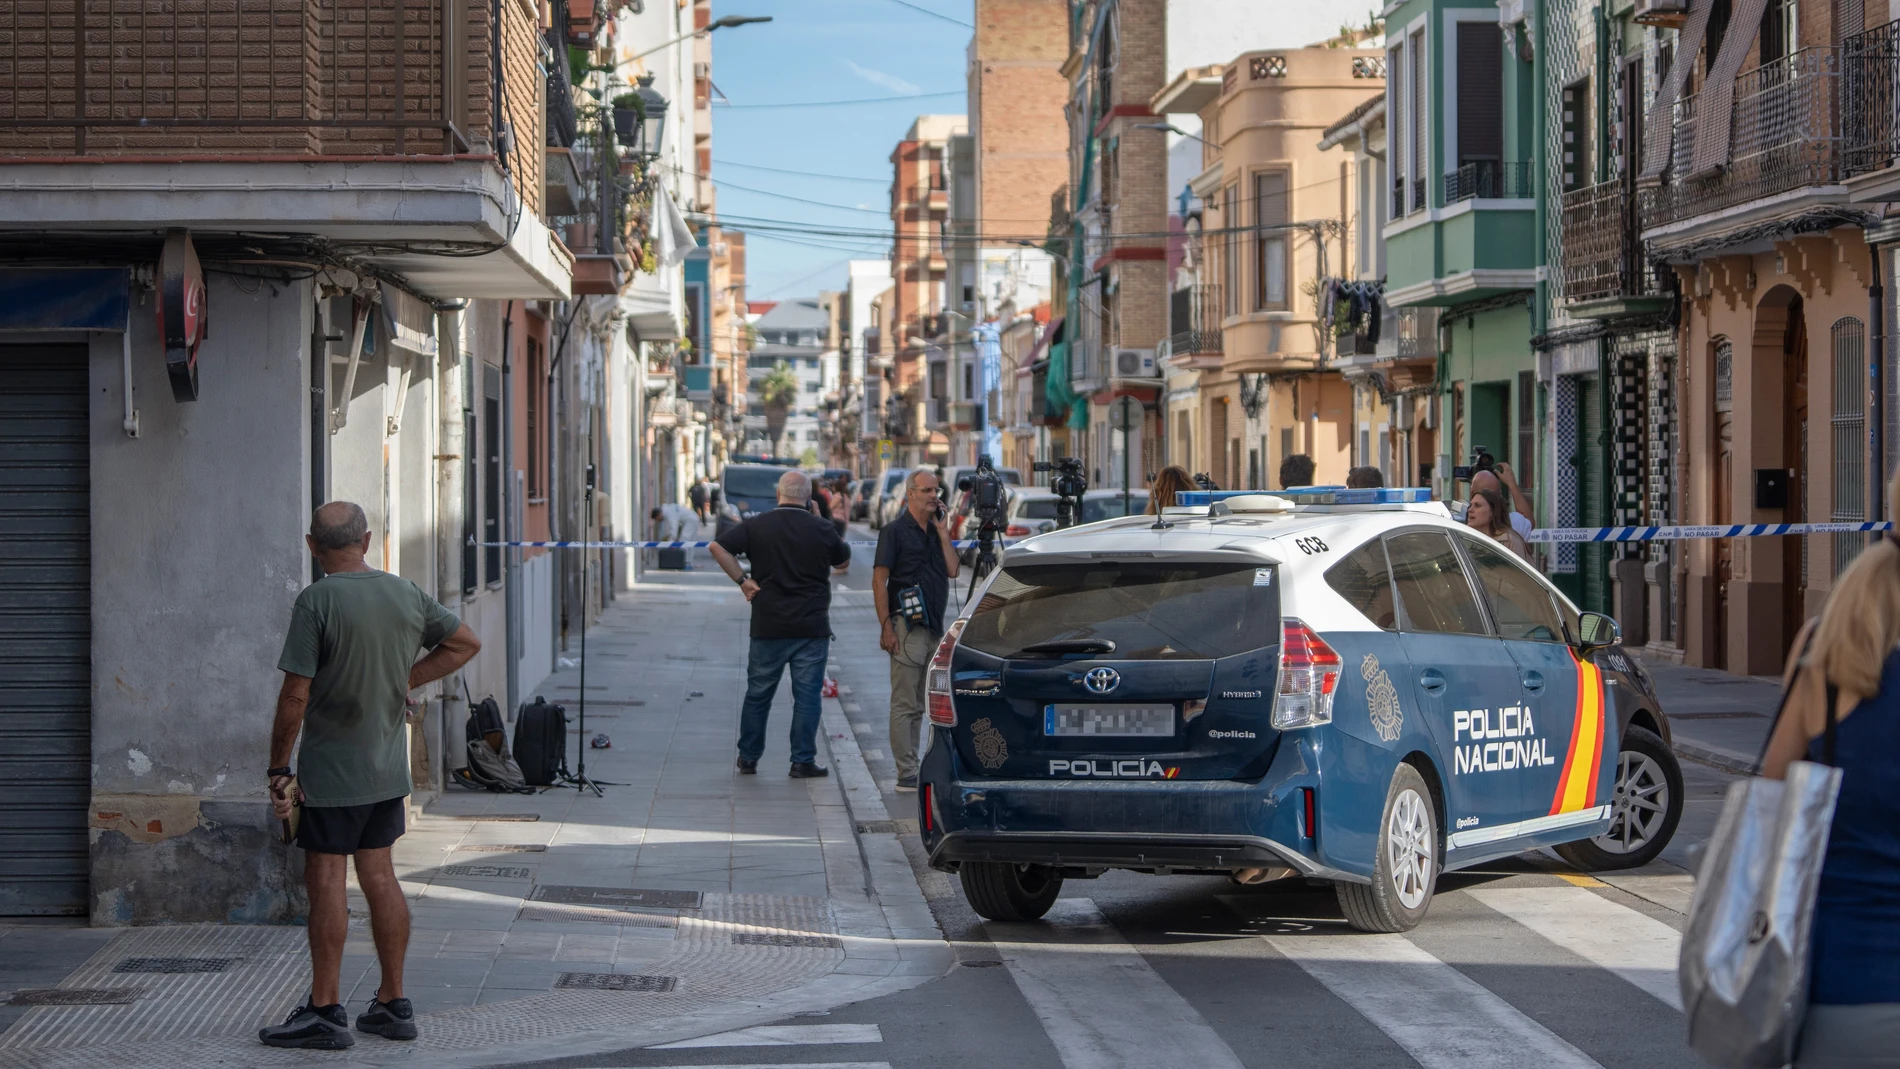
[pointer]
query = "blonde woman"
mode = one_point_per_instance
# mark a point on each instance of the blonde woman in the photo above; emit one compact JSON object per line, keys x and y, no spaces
{"x":1854,"y":994}
{"x":1172,"y":480}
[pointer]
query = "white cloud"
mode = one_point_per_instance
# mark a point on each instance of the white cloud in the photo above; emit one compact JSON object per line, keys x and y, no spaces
{"x":888,"y":81}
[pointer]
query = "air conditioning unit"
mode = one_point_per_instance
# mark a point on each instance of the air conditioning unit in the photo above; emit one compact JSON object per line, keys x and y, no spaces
{"x":702,"y":69}
{"x":1135,"y":364}
{"x":1673,"y":13}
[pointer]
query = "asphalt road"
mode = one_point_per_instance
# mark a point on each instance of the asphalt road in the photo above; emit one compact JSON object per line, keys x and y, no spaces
{"x":1521,"y":963}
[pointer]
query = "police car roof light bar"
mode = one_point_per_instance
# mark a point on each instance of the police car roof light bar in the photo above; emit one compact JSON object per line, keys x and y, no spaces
{"x":1315,"y":495}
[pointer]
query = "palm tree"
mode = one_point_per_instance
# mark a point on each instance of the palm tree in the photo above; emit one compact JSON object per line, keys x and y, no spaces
{"x":777,"y":390}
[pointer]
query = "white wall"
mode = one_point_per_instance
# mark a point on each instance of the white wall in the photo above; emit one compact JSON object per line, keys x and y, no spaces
{"x":1201,"y":32}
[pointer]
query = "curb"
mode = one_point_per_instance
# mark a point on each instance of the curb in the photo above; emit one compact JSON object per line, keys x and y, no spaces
{"x":1726,"y":760}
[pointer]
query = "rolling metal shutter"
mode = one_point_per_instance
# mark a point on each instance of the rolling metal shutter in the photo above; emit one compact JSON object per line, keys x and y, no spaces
{"x":45,"y":630}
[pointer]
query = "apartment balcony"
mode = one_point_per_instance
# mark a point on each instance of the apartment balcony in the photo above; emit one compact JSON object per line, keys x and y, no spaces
{"x":930,"y":196}
{"x":1490,"y":180}
{"x":1194,"y":314}
{"x":1410,"y":359}
{"x":366,"y":123}
{"x":1605,"y":273}
{"x":1870,"y":125}
{"x":1785,"y":142}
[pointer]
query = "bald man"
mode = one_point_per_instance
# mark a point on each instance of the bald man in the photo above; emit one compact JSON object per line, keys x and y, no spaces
{"x":794,"y":554}
{"x":349,"y":663}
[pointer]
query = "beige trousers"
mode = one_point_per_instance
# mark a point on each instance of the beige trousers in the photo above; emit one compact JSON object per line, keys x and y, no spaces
{"x":910,"y":663}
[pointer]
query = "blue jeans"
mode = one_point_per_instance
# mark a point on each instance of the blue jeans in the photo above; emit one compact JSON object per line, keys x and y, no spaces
{"x":765,"y":663}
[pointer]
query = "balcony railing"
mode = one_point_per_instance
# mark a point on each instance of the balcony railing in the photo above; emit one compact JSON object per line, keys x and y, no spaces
{"x":1488,"y":180}
{"x":1870,"y":92}
{"x":222,"y":77}
{"x":1417,"y":333}
{"x":1408,"y":196}
{"x":1602,"y":252}
{"x":1195,"y":315}
{"x":1785,"y":134}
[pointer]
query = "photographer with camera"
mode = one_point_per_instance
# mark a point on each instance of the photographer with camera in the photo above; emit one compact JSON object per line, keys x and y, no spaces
{"x":910,"y":583}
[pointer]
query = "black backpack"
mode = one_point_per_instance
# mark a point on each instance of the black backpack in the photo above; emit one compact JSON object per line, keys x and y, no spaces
{"x":541,"y":742}
{"x":490,"y":766}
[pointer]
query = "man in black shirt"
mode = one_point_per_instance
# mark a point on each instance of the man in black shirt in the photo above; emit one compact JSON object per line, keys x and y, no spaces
{"x":914,"y":551}
{"x":793,"y":554}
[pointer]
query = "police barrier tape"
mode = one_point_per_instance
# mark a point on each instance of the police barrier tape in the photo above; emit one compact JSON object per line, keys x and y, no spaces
{"x":1740,"y":530}
{"x":963,"y":543}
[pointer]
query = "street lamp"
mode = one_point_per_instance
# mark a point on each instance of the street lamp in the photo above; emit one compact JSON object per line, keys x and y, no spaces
{"x":1173,"y":129}
{"x":653,"y":117}
{"x":717,"y":24}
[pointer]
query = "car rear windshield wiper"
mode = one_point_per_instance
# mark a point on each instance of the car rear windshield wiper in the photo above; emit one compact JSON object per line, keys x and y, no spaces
{"x":1068,"y":645}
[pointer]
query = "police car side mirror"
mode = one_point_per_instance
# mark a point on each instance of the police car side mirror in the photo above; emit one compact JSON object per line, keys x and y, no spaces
{"x":1595,"y":630}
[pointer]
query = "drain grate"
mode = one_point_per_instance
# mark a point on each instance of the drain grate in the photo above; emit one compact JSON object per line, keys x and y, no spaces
{"x":563,"y":914}
{"x":617,"y":981}
{"x":493,"y":872}
{"x":780,"y":939}
{"x":174,"y":965}
{"x":980,"y":963}
{"x":617,"y":897}
{"x":75,"y":996}
{"x":503,"y":848}
{"x":876,"y":827}
{"x":522,"y":818}
{"x":684,"y":657}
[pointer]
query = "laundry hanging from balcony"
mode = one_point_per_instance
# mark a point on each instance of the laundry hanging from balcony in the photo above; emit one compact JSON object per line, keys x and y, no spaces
{"x":1353,"y":307}
{"x":1659,"y":125}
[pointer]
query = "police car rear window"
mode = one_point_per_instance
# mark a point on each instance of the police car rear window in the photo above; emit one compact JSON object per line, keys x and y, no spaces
{"x":1149,"y":610}
{"x":751,"y":482}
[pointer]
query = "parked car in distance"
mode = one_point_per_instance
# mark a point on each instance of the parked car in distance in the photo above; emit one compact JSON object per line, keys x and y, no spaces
{"x":889,"y":496}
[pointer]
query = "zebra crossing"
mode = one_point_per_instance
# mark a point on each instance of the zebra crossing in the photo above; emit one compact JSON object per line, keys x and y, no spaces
{"x":1515,"y":971}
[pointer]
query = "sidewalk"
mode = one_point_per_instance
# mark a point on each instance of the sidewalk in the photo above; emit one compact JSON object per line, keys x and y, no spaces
{"x":688,"y":900}
{"x":1717,"y":718}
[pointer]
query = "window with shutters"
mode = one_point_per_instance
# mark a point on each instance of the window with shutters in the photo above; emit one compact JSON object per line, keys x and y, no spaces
{"x":1270,"y":246}
{"x":1480,"y":107}
{"x":1415,"y":119}
{"x":1396,"y":124}
{"x":1230,"y":249}
{"x":1779,"y":31}
{"x":1576,"y":132}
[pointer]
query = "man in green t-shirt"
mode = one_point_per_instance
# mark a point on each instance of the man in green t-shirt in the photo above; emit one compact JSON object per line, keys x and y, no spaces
{"x":349,"y":663}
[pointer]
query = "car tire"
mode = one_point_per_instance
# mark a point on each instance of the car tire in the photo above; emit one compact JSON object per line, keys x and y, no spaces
{"x":1001,"y":891}
{"x":1645,"y":808}
{"x":1405,"y":871}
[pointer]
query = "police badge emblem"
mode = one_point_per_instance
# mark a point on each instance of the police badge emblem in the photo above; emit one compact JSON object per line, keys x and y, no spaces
{"x":1382,"y":700}
{"x":991,"y":750}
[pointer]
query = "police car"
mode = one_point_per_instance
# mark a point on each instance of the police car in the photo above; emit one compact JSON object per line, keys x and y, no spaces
{"x":1341,"y":685}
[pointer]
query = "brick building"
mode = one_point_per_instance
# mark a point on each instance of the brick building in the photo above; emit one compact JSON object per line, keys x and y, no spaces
{"x":920,"y":204}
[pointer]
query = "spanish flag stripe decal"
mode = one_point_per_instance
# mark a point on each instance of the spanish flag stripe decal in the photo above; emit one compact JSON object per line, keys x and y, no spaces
{"x":1577,"y":785}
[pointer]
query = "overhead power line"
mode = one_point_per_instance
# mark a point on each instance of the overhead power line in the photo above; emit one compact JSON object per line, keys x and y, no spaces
{"x":802,"y":174}
{"x":843,"y":103}
{"x":933,"y":14}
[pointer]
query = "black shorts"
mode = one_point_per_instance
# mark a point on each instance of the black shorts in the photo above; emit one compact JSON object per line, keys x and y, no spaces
{"x":345,"y":829}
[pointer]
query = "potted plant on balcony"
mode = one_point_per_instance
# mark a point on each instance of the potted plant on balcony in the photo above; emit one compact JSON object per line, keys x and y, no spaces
{"x":777,"y":390}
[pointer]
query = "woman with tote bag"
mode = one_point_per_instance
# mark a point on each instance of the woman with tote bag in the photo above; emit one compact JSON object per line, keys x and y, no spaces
{"x":1853,"y":1017}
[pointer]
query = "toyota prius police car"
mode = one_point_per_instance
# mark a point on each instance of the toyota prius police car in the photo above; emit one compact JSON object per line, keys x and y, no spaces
{"x":1342,"y":685}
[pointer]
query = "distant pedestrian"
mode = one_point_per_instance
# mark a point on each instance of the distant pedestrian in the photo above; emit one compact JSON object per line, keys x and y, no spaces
{"x":794,"y":555}
{"x":700,"y":498}
{"x":1173,"y":479}
{"x":910,"y":584}
{"x":1296,"y":471}
{"x":1853,"y":1017}
{"x":1365,"y":478}
{"x":349,"y":663}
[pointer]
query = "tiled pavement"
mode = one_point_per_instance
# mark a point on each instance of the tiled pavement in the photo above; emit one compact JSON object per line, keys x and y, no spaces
{"x":793,"y":909}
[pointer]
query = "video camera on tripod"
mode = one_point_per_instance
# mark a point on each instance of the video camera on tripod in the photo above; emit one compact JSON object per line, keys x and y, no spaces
{"x":986,"y":491}
{"x":1069,"y":484}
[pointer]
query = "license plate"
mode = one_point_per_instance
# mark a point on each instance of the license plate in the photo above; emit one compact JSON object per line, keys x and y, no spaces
{"x":1108,"y":720}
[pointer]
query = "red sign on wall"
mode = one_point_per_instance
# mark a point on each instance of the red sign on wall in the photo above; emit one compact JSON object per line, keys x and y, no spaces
{"x":181,"y":312}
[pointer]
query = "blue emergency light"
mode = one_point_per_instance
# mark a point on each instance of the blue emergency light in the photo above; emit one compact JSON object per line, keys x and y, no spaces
{"x":1315,"y":495}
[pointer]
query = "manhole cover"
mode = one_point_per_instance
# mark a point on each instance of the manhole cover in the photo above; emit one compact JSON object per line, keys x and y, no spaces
{"x":624,"y":918}
{"x":617,"y":897}
{"x":876,"y":827}
{"x":493,"y":872}
{"x":780,"y":939}
{"x":684,"y":657}
{"x":980,"y":963}
{"x":503,"y":848}
{"x":174,"y":965}
{"x":524,"y":818}
{"x":617,"y":981}
{"x":75,"y":996}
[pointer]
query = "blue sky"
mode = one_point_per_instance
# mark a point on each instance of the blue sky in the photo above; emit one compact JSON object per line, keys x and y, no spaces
{"x":823,"y":50}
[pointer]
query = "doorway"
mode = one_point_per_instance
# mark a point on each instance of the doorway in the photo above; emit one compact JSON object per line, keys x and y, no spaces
{"x":1722,"y":497}
{"x":1794,"y":454}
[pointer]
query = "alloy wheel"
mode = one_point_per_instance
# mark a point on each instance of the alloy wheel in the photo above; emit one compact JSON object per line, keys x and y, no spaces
{"x":1639,"y":807}
{"x":1408,"y":841}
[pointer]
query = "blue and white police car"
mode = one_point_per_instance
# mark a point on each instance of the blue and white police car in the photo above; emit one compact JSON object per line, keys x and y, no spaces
{"x":1342,"y":685}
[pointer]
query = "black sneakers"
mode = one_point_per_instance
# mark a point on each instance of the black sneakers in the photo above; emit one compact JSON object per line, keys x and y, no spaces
{"x":394,"y":1019}
{"x":748,"y":766}
{"x":313,"y":1028}
{"x":807,"y":770}
{"x":907,"y":785}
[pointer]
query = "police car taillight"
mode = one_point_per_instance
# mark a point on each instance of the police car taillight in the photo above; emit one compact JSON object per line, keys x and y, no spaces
{"x":1309,"y":674}
{"x":942,"y":712}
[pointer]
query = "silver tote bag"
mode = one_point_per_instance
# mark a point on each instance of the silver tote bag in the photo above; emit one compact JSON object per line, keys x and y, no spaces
{"x":1744,"y":967}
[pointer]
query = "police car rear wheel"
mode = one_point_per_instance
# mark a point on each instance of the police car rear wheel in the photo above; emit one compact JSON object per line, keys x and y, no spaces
{"x":1406,"y":869}
{"x":1644,"y":808}
{"x":1000,"y":891}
